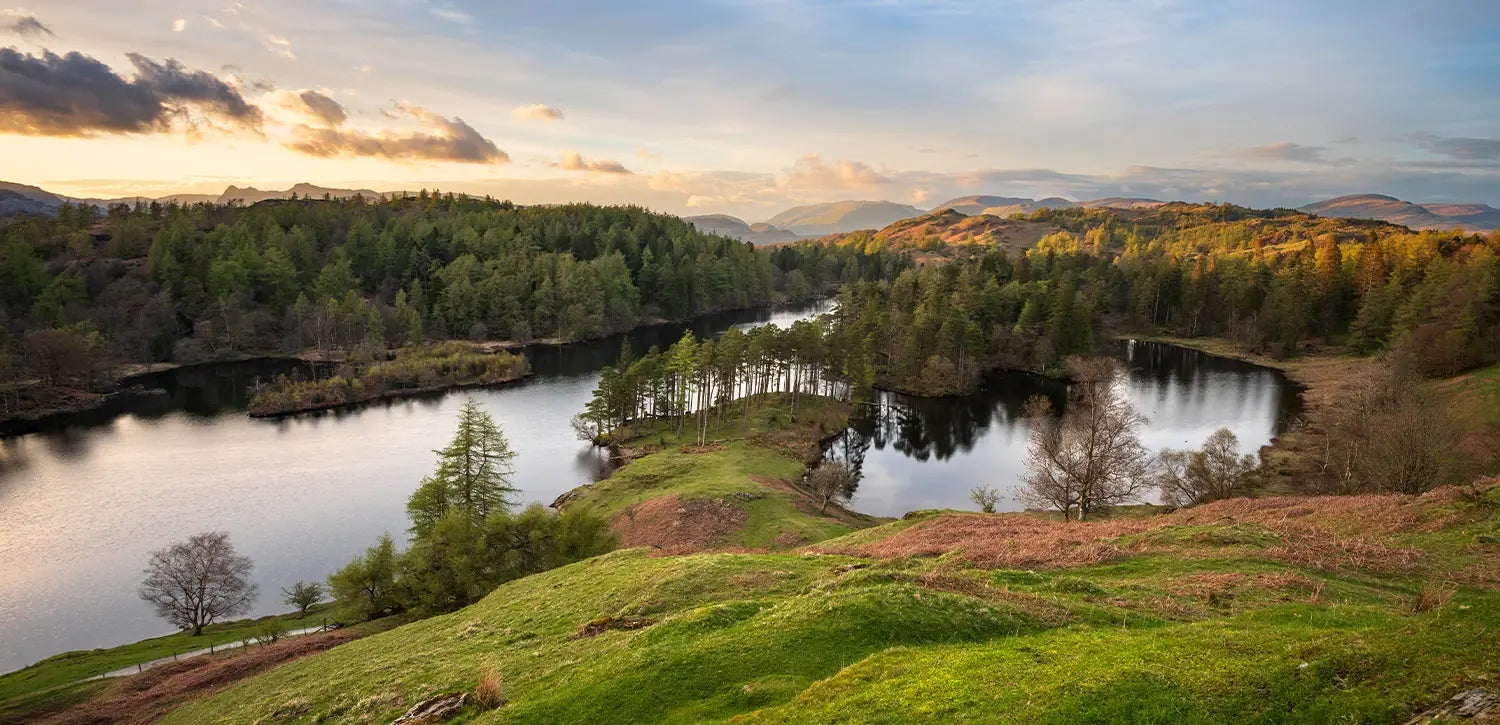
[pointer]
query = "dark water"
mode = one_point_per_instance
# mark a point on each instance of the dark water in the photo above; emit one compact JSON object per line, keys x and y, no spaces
{"x":84,"y":499}
{"x":915,"y":453}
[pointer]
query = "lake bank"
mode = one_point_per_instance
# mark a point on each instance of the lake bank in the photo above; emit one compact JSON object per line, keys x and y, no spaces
{"x":741,"y":489}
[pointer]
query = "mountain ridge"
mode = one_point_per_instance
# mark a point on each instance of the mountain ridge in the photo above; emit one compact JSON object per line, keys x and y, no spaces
{"x":760,"y":233}
{"x":837,"y":217}
{"x":1469,"y":216}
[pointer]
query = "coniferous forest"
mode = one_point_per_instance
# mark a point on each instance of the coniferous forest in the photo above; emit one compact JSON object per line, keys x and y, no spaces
{"x":156,"y":283}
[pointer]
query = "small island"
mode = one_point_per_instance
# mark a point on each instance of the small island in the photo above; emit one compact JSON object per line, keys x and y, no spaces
{"x":411,"y":371}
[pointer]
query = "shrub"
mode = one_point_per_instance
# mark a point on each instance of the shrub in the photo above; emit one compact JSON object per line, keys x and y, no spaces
{"x":490,"y":693}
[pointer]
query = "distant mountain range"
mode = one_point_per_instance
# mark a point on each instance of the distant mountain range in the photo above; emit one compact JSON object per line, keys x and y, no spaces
{"x":736,"y":228}
{"x":1004,"y":206}
{"x":841,"y":216}
{"x":1469,"y":217}
{"x":838,"y":217}
{"x":23,"y":199}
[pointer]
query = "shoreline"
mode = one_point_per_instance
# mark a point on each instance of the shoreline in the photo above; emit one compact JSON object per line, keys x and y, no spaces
{"x":387,"y":395}
{"x":1322,"y":378}
{"x":126,"y":378}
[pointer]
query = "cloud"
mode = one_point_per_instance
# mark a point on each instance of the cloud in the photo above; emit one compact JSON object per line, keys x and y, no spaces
{"x":437,"y":139}
{"x":1461,"y":147}
{"x":537,"y":112}
{"x":645,"y":154}
{"x":322,"y":107}
{"x":179,"y":25}
{"x":76,"y":95}
{"x":26,"y":26}
{"x":452,"y":14}
{"x":1285,"y":151}
{"x":809,"y":172}
{"x":573,"y":161}
{"x":280,"y":46}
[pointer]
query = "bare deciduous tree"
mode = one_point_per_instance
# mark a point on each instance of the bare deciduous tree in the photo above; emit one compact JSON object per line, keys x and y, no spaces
{"x":1093,"y":455}
{"x":1394,"y":435}
{"x":196,"y":582}
{"x":1217,"y":471}
{"x":832,"y":481}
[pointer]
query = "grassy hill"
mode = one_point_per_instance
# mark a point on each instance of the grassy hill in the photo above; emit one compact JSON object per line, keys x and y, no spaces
{"x":1284,"y":609}
{"x":951,"y":228}
{"x":739,"y":491}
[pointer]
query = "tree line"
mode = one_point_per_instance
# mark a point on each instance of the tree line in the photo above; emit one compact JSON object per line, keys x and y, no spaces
{"x":158,"y":282}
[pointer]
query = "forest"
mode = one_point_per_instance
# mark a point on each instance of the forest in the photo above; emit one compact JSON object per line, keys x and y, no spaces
{"x":1275,"y":282}
{"x":88,"y":290}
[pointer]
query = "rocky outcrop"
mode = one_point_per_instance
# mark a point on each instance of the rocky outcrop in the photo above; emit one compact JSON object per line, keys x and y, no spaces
{"x":1477,"y":706}
{"x":435,"y":710}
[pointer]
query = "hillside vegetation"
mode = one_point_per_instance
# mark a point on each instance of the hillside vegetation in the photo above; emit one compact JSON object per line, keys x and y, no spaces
{"x":1296,"y":609}
{"x":740,"y":490}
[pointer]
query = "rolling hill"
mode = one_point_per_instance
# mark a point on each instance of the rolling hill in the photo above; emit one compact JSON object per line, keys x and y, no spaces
{"x":1470,"y":217}
{"x":736,"y":228}
{"x":1004,"y":206}
{"x":841,"y":216}
{"x":952,"y":228}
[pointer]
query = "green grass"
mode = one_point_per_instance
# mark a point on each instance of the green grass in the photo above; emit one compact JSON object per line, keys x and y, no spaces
{"x":1477,"y":391}
{"x":797,"y":638}
{"x":69,"y":667}
{"x":766,"y":445}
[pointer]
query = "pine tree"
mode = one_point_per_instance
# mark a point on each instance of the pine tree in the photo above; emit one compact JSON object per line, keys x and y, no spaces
{"x":473,"y":474}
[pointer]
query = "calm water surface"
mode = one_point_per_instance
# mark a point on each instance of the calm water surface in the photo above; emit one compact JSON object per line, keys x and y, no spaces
{"x":82,"y":502}
{"x":915,"y":453}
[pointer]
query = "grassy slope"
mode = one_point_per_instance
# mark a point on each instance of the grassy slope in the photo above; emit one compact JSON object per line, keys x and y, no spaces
{"x":766,"y":445}
{"x":1209,"y":624}
{"x":69,"y":667}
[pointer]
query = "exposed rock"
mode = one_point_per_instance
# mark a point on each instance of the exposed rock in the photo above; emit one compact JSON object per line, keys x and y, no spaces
{"x":434,"y":710}
{"x":747,"y":496}
{"x":1477,"y":705}
{"x":596,"y":627}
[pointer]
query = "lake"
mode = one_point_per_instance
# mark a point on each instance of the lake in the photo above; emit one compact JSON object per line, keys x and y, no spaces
{"x":84,"y":499}
{"x":915,"y":453}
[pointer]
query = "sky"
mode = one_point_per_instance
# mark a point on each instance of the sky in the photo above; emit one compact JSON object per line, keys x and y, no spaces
{"x":747,"y":107}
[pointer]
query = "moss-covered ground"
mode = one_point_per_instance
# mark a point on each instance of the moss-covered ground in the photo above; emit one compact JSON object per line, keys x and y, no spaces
{"x":751,"y":462}
{"x":1199,"y":620}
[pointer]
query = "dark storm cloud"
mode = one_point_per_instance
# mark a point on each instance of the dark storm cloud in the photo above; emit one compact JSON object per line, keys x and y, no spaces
{"x":76,"y":95}
{"x":437,"y":139}
{"x":27,"y":26}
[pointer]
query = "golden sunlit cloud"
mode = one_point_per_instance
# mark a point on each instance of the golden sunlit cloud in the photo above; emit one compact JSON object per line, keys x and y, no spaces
{"x":537,"y":112}
{"x":573,"y":161}
{"x":438,"y":139}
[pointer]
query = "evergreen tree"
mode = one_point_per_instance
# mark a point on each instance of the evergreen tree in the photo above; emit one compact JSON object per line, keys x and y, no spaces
{"x":472,"y":476}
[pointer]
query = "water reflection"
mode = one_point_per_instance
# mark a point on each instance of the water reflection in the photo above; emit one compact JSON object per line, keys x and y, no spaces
{"x":83,"y":498}
{"x":914,"y":453}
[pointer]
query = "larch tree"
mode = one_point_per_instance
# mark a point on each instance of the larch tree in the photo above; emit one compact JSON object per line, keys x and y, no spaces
{"x":197,"y":582}
{"x":1093,"y":455}
{"x":473,"y":474}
